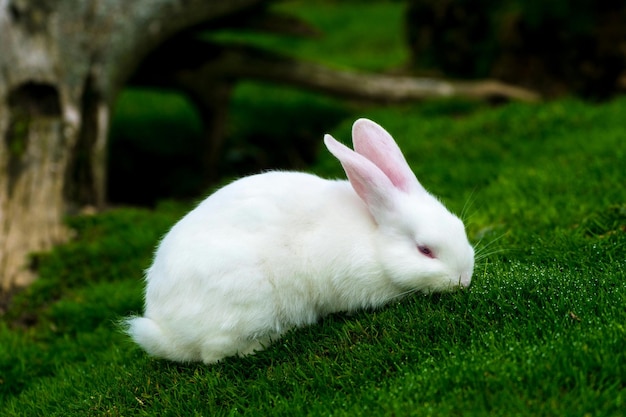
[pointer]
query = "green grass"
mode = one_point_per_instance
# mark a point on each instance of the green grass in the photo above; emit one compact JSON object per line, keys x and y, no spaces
{"x":541,"y":331}
{"x":352,"y":35}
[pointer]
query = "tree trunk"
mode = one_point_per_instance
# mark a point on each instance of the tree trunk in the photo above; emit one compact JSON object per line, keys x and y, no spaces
{"x":31,"y":180}
{"x":62,"y":64}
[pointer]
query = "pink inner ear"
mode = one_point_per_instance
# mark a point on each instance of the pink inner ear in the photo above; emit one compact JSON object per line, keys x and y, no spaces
{"x":367,"y":180}
{"x":375,"y":144}
{"x":399,"y":180}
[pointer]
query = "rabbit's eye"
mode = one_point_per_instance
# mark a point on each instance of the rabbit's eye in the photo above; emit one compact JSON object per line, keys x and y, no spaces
{"x":426,"y":251}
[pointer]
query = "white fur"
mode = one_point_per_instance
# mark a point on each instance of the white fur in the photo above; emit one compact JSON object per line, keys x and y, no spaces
{"x":278,"y":250}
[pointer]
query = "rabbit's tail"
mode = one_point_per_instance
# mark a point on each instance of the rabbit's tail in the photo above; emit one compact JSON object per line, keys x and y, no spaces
{"x":147,"y":334}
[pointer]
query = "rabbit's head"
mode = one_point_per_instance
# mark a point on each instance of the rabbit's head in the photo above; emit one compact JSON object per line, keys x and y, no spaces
{"x":420,"y":244}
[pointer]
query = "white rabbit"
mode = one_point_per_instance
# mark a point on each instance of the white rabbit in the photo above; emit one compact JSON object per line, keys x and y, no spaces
{"x":279,"y":250}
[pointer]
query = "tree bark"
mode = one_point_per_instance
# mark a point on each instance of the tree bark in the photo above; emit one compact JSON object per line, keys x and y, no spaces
{"x":245,"y":62}
{"x":62,"y":64}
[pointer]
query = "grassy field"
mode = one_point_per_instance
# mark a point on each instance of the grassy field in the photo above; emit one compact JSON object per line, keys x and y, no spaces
{"x":541,"y":332}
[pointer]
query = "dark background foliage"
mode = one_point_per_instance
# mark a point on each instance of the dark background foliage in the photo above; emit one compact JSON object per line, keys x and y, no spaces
{"x":557,"y":47}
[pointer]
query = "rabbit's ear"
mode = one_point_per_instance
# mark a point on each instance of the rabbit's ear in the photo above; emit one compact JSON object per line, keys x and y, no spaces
{"x":375,"y":144}
{"x":369,"y":182}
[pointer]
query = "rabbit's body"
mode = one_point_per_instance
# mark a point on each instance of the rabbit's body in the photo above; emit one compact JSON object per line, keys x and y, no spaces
{"x":258,"y":280}
{"x":279,"y":250}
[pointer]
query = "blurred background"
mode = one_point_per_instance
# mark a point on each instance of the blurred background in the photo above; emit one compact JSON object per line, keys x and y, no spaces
{"x":162,"y":140}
